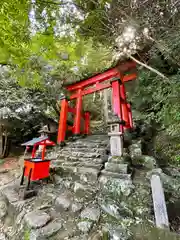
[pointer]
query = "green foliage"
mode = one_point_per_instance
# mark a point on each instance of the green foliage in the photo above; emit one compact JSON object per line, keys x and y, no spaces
{"x":27,"y":235}
{"x":14,"y":33}
{"x":2,"y":161}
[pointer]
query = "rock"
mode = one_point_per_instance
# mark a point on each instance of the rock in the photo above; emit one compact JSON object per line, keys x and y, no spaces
{"x":85,"y":226}
{"x":49,"y":230}
{"x":170,"y":184}
{"x":20,"y":216}
{"x":91,"y":213}
{"x":118,"y":212}
{"x":11,"y":194}
{"x":118,"y":168}
{"x":83,"y":191}
{"x":118,"y":234}
{"x":119,"y":187}
{"x":157,"y":171}
{"x":135,"y":151}
{"x":3,"y":208}
{"x":63,"y":202}
{"x":58,"y":179}
{"x":171,"y":171}
{"x":18,"y":206}
{"x":96,"y":236}
{"x":79,"y":186}
{"x":148,"y":162}
{"x":76,"y":207}
{"x":81,"y":237}
{"x":67,"y":183}
{"x":37,"y":219}
{"x":2,"y":236}
{"x":112,"y":210}
{"x":116,"y":159}
{"x":90,"y":173}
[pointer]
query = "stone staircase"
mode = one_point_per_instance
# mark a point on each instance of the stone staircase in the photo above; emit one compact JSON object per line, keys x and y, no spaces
{"x":86,"y":159}
{"x":83,"y":159}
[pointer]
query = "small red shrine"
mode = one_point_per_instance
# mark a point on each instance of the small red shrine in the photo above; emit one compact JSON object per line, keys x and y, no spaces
{"x":36,"y":167}
{"x":114,"y":78}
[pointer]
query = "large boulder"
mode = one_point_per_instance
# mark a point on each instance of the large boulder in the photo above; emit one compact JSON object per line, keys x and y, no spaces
{"x":37,"y":219}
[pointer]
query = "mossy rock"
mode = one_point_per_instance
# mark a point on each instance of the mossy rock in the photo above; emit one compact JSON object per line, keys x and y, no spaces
{"x":148,"y":232}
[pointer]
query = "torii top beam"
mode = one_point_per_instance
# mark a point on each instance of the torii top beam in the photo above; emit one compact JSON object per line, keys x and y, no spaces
{"x":113,"y":72}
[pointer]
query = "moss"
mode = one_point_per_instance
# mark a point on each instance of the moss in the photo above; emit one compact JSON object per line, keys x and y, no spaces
{"x":27,"y":234}
{"x":105,"y":236}
{"x":2,"y":161}
{"x":147,"y":231}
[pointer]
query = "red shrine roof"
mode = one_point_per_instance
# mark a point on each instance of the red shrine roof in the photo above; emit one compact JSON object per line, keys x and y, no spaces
{"x":39,"y":141}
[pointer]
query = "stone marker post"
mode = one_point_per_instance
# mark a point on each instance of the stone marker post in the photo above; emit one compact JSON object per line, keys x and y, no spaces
{"x":159,"y":202}
{"x":116,"y":137}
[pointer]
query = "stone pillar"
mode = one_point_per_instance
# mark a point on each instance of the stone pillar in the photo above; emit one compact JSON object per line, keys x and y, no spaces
{"x":62,"y":121}
{"x":124,"y":107}
{"x":77,"y":120}
{"x":116,"y":137}
{"x":116,"y":100}
{"x":159,"y":202}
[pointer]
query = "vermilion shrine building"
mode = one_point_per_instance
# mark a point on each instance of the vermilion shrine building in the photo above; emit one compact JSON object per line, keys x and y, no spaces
{"x":114,"y":78}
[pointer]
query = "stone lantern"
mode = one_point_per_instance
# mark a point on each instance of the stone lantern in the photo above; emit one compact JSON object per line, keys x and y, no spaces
{"x":43,"y":133}
{"x":116,"y":137}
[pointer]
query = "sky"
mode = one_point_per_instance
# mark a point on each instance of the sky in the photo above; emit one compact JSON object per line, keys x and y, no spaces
{"x":64,"y":10}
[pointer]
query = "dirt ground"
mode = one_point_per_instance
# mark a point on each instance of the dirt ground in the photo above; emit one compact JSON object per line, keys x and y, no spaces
{"x":9,"y":169}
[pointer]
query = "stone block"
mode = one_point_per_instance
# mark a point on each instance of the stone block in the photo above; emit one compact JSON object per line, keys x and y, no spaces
{"x":116,"y":145}
{"x":90,"y":173}
{"x":115,"y":175}
{"x":122,"y":159}
{"x":117,"y":168}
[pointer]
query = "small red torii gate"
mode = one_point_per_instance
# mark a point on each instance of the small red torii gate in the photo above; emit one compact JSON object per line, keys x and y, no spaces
{"x":117,"y":76}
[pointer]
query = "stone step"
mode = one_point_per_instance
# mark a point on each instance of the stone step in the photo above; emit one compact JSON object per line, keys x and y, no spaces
{"x":84,"y":149}
{"x":116,"y":168}
{"x":80,"y":164}
{"x":115,"y":175}
{"x":82,"y":173}
{"x":81,"y":159}
{"x":81,"y":154}
{"x":88,"y":145}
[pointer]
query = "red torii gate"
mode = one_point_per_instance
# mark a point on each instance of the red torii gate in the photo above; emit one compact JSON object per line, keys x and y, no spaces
{"x":117,"y":76}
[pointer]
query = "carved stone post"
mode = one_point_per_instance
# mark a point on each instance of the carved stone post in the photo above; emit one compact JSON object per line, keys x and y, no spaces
{"x":159,"y":203}
{"x":116,"y":137}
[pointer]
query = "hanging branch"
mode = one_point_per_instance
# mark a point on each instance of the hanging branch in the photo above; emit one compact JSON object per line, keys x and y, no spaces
{"x":149,"y":68}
